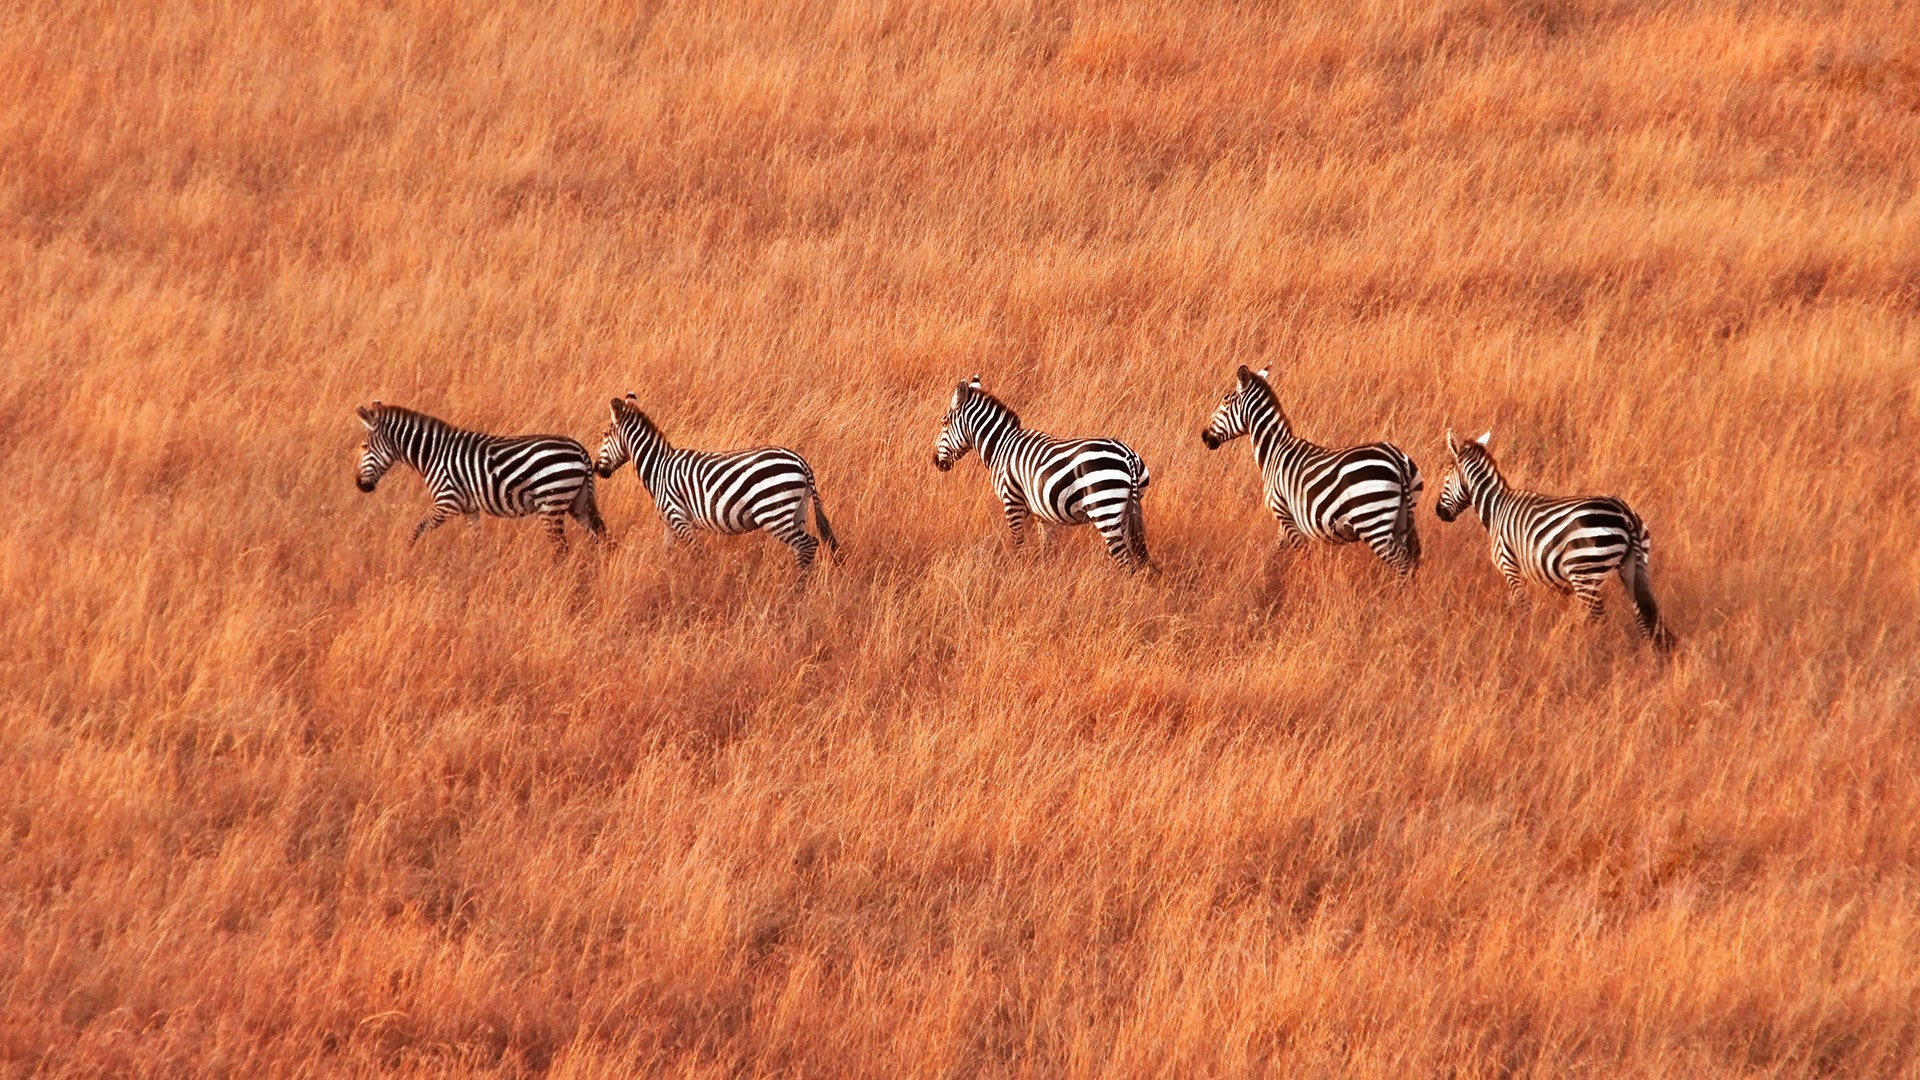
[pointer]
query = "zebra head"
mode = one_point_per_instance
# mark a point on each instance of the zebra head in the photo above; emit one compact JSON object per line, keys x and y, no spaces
{"x":1234,"y":417}
{"x":617,"y":444}
{"x":377,"y":454}
{"x":1471,"y":462}
{"x":957,"y":427}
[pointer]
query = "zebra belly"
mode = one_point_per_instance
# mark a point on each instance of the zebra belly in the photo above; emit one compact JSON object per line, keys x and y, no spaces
{"x":1092,"y":493}
{"x":1327,"y":532}
{"x":1053,"y":515}
{"x":1354,"y":509}
{"x":744,"y":501}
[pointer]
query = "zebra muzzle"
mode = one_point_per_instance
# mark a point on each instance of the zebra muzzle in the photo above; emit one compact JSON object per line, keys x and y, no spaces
{"x":1212,"y":440}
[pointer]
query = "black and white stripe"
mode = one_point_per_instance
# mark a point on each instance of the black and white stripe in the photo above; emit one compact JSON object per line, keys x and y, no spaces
{"x":732,"y":491}
{"x":470,"y":472}
{"x":1059,"y":481}
{"x":1570,"y":543}
{"x":1336,"y":496}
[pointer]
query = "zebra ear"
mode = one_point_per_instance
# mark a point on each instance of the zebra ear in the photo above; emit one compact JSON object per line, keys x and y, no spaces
{"x":1484,"y":436}
{"x":366,"y":415}
{"x":974,"y":382}
{"x":1243,"y":374}
{"x":1453,"y":444}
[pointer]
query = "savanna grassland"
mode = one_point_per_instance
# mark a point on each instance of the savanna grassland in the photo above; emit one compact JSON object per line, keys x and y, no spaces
{"x":280,"y":794}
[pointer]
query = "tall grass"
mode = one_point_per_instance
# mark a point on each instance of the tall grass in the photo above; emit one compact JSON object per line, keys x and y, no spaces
{"x":280,"y":794}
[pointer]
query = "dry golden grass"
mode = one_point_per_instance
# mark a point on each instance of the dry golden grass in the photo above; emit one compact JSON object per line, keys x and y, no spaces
{"x":279,"y":794}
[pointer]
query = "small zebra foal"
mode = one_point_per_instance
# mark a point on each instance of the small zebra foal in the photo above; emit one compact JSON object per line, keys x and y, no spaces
{"x":728,"y":491}
{"x":1335,"y":496}
{"x":470,"y":472}
{"x":1059,"y":481}
{"x":1569,"y":543}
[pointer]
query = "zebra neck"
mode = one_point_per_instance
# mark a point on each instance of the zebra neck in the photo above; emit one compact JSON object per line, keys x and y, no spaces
{"x":650,"y":458}
{"x":424,"y":442}
{"x":1490,"y":497}
{"x":992,"y":434}
{"x":1270,"y":436}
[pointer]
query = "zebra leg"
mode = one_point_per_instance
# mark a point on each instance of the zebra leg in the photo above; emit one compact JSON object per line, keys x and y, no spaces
{"x":679,"y":530}
{"x":1398,"y":549}
{"x":804,"y":548}
{"x":1510,"y":570}
{"x":1016,"y":510}
{"x":1587,"y":591}
{"x":556,"y":531}
{"x":1290,"y":535}
{"x":1384,"y":541}
{"x":1516,"y":588}
{"x":791,"y":530}
{"x":432,"y":522}
{"x":1114,"y":531}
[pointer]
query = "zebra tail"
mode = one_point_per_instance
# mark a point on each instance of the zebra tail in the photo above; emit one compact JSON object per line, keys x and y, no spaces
{"x":820,"y":520}
{"x":586,"y":511}
{"x":1134,"y":526}
{"x":1404,"y":527}
{"x":1409,"y":535}
{"x":1642,"y":587}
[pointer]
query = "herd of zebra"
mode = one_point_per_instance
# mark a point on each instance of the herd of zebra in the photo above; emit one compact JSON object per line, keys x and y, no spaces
{"x":1360,"y":493}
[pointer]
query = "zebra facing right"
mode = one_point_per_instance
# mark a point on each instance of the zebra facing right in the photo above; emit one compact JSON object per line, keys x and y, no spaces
{"x":1334,"y":496}
{"x":1570,"y":543}
{"x":729,"y":491}
{"x":1059,"y":481}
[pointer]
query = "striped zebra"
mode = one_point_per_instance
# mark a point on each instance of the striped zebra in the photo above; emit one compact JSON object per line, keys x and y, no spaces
{"x":728,"y":491}
{"x":470,"y":472}
{"x":1335,"y":496}
{"x":1059,"y":481}
{"x":1570,"y":543}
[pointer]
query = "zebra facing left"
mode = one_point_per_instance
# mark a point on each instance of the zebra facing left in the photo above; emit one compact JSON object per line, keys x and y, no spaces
{"x":470,"y":472}
{"x":1059,"y":481}
{"x":1333,"y":496}
{"x":1570,"y":543}
{"x":728,"y":491}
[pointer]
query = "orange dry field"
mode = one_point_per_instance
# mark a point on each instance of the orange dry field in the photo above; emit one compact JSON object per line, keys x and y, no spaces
{"x":280,"y":794}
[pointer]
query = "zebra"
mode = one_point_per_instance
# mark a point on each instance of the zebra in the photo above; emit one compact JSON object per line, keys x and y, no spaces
{"x":468,"y":472}
{"x":1335,"y":496}
{"x":727,"y":491}
{"x":1569,"y":543}
{"x":1059,"y":481}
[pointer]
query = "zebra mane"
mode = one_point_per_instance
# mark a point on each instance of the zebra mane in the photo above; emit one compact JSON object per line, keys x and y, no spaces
{"x":1472,"y":452}
{"x":997,"y":404}
{"x":1262,"y":390}
{"x":389,"y":415}
{"x":630,"y":411}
